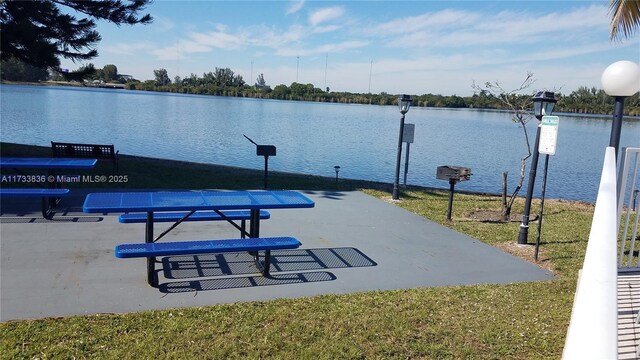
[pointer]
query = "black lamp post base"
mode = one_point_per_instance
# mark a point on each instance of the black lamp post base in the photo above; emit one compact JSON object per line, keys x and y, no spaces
{"x":395,"y":195}
{"x":524,"y":233}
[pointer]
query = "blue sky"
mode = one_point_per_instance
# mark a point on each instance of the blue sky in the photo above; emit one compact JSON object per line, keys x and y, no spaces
{"x":414,"y":47}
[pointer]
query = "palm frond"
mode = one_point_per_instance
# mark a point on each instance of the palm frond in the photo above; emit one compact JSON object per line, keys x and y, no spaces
{"x":625,"y":18}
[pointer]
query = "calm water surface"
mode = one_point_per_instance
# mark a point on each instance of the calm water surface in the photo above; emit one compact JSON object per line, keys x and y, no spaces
{"x":310,"y":137}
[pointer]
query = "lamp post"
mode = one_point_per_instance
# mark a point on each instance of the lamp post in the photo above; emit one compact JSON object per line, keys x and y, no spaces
{"x":404,"y":102}
{"x":620,"y":79}
{"x":543,"y":104}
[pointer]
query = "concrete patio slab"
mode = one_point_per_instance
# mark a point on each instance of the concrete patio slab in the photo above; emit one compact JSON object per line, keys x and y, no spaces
{"x":352,"y":242}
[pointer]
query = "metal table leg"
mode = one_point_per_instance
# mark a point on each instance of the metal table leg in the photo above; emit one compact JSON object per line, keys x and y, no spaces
{"x":53,"y":201}
{"x":151,"y":261}
{"x":47,"y":209}
{"x":254,"y":223}
{"x":254,"y":232}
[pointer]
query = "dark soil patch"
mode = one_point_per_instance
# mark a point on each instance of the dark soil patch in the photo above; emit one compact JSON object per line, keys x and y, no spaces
{"x":488,"y":215}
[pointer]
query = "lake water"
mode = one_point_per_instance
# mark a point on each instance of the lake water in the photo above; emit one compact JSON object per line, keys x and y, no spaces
{"x":311,"y":138}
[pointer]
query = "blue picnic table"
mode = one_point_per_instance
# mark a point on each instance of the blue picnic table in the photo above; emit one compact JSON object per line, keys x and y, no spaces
{"x":192,"y":201}
{"x":46,"y":163}
{"x":51,"y":193}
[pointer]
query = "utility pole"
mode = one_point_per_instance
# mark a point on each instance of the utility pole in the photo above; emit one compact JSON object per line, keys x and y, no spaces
{"x":297,"y":66}
{"x":326,"y":62}
{"x":178,"y":57}
{"x":370,"y":71}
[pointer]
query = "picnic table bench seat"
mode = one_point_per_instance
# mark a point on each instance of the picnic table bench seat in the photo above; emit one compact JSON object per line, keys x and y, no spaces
{"x":45,"y":194}
{"x":131,"y":218}
{"x":252,"y":245}
{"x":228,"y":215}
{"x":33,"y":192}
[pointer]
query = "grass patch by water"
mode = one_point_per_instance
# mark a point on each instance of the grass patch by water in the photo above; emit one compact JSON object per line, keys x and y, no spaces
{"x":515,"y":321}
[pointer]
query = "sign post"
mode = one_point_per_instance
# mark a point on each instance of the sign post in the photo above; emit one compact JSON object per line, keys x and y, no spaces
{"x":407,"y":136}
{"x":266,"y":151}
{"x":548,"y":141}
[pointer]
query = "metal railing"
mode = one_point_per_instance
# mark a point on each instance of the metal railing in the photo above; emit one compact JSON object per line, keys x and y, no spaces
{"x":593,"y":330}
{"x":629,"y":203}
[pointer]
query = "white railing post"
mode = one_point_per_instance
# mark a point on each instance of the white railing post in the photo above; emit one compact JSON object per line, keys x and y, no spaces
{"x":627,"y":162}
{"x":593,"y":330}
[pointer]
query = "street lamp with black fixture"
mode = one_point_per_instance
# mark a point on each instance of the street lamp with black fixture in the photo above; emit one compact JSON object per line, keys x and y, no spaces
{"x":543,"y":104}
{"x":404,"y":102}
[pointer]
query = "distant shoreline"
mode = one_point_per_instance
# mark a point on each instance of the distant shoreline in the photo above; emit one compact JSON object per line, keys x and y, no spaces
{"x":123,"y":87}
{"x":67,"y":83}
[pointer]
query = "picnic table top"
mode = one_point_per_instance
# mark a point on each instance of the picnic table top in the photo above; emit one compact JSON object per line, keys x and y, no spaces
{"x":33,"y":192}
{"x":46,"y":163}
{"x":194,"y":200}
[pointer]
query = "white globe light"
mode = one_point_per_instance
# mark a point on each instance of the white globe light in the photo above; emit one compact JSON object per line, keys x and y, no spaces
{"x":621,"y":78}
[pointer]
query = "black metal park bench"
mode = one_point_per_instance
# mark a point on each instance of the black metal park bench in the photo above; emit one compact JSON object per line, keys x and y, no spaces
{"x":90,"y":151}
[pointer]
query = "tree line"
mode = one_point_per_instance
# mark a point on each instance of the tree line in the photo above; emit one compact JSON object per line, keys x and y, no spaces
{"x":13,"y":69}
{"x":225,"y":82}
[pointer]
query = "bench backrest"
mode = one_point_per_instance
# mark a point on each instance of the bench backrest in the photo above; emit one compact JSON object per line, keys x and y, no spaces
{"x":92,"y":151}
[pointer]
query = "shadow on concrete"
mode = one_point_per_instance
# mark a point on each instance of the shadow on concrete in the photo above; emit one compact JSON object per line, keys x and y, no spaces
{"x":245,"y":282}
{"x":296,"y":261}
{"x":331,"y":195}
{"x":208,"y":265}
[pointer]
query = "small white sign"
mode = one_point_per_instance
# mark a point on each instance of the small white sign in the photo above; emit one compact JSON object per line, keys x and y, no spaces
{"x":407,"y":134}
{"x":548,"y":135}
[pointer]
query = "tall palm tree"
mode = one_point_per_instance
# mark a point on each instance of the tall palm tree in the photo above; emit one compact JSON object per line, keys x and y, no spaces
{"x":625,"y":18}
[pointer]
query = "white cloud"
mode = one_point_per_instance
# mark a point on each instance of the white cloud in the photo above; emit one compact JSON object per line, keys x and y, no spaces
{"x":221,"y":27}
{"x":167,"y":52}
{"x":294,"y":40}
{"x":484,"y":59}
{"x":257,"y":36}
{"x":217,"y":39}
{"x":327,"y":14}
{"x":270,"y":37}
{"x":457,"y":29}
{"x":294,"y":7}
{"x":323,"y":49}
{"x":442,"y":20}
{"x":189,"y":47}
{"x":566,"y":52}
{"x":522,"y":23}
{"x":326,"y":29}
{"x":128,"y":48}
{"x":162,"y":24}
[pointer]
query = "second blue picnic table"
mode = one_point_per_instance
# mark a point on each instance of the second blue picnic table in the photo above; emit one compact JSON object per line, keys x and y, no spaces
{"x":51,"y":193}
{"x":45,"y":163}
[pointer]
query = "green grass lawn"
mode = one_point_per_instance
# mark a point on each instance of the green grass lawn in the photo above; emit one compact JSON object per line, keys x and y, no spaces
{"x":516,"y":321}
